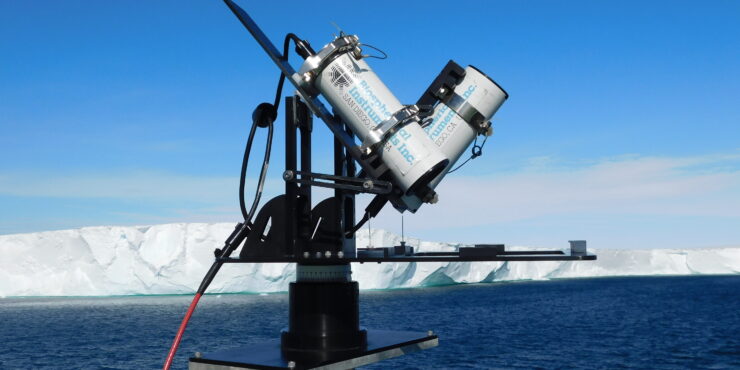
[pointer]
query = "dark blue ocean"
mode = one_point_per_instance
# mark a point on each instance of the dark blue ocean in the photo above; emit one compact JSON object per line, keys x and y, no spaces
{"x":638,"y":322}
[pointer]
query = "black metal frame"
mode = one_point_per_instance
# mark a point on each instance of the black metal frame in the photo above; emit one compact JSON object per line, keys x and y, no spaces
{"x":296,"y":242}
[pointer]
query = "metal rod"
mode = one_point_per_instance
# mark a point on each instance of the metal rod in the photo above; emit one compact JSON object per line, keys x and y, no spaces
{"x":403,"y":235}
{"x":416,"y":259}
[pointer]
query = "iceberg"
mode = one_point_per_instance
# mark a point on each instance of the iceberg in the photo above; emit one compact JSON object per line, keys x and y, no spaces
{"x":172,"y":259}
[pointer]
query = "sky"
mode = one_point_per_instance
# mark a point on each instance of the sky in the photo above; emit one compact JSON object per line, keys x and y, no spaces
{"x":622,"y":126}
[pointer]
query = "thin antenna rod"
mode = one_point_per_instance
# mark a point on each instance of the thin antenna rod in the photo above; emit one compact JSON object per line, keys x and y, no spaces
{"x":403,"y":235}
{"x":341,"y":32}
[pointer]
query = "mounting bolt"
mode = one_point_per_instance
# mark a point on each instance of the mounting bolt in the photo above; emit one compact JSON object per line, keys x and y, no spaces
{"x":306,"y":255}
{"x":318,"y":254}
{"x":291,"y":364}
{"x":328,"y":254}
{"x":340,"y":254}
{"x":442,"y":91}
{"x":489,"y":129}
{"x":430,"y":333}
{"x":198,"y":355}
{"x":368,"y":184}
{"x":431,"y":198}
{"x":288,"y":175}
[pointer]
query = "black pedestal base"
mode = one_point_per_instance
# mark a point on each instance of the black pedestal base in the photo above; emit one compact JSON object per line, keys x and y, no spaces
{"x":324,"y":321}
{"x":381,"y":345}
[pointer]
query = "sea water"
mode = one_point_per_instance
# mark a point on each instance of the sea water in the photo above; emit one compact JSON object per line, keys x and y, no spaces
{"x":636,"y":322}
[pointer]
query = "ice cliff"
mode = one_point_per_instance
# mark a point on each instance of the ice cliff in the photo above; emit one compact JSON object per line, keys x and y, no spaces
{"x":172,"y":258}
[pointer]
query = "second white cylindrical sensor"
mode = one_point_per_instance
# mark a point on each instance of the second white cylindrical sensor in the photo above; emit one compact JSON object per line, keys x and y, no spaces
{"x":463,"y":115}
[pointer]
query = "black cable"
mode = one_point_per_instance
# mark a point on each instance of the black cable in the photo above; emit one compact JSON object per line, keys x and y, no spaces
{"x":281,"y":81}
{"x":303,"y":48}
{"x":357,"y":226}
{"x":371,"y":211}
{"x":257,"y":119}
{"x":385,"y":56}
{"x":265,"y":164}
{"x":476,"y":151}
{"x":243,"y":174}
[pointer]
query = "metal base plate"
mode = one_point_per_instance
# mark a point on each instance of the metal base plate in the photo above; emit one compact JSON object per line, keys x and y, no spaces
{"x":381,"y":345}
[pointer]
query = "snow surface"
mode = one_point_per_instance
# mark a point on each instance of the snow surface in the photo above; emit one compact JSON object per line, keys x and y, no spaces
{"x":172,"y":259}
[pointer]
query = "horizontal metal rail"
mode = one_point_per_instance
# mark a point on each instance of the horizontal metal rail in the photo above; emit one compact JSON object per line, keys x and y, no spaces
{"x":412,"y":258}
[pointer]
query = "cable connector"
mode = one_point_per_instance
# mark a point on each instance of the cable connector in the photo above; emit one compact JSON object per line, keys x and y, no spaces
{"x":304,"y":49}
{"x":241,"y":230}
{"x":233,"y":241}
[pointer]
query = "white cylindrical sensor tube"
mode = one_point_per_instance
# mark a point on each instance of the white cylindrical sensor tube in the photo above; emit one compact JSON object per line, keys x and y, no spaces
{"x":364,"y":102}
{"x":454,"y":128}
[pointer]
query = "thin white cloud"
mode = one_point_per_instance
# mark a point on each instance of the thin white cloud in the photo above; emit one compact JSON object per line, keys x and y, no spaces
{"x":696,"y":186}
{"x":699,"y":186}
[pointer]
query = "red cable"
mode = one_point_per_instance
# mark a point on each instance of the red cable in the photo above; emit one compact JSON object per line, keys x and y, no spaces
{"x":178,"y":337}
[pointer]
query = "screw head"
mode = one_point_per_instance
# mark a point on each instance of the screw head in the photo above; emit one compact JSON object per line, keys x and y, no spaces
{"x":318,"y":254}
{"x":368,"y":184}
{"x":340,"y":254}
{"x":306,"y":255}
{"x":328,"y":254}
{"x":291,"y":364}
{"x":287,"y":175}
{"x":198,"y":355}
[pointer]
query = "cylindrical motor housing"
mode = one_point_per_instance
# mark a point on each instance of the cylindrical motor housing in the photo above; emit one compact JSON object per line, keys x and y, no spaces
{"x":361,"y":99}
{"x":459,"y":119}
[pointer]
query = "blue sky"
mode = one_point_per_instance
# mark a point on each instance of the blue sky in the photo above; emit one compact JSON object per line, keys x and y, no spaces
{"x":623,"y":125}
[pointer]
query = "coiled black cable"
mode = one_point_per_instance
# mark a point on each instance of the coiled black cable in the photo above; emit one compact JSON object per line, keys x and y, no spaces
{"x":264,"y":116}
{"x":265,"y":163}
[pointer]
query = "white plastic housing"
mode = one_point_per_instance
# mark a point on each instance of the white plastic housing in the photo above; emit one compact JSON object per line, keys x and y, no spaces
{"x":450,"y":132}
{"x":363,"y":102}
